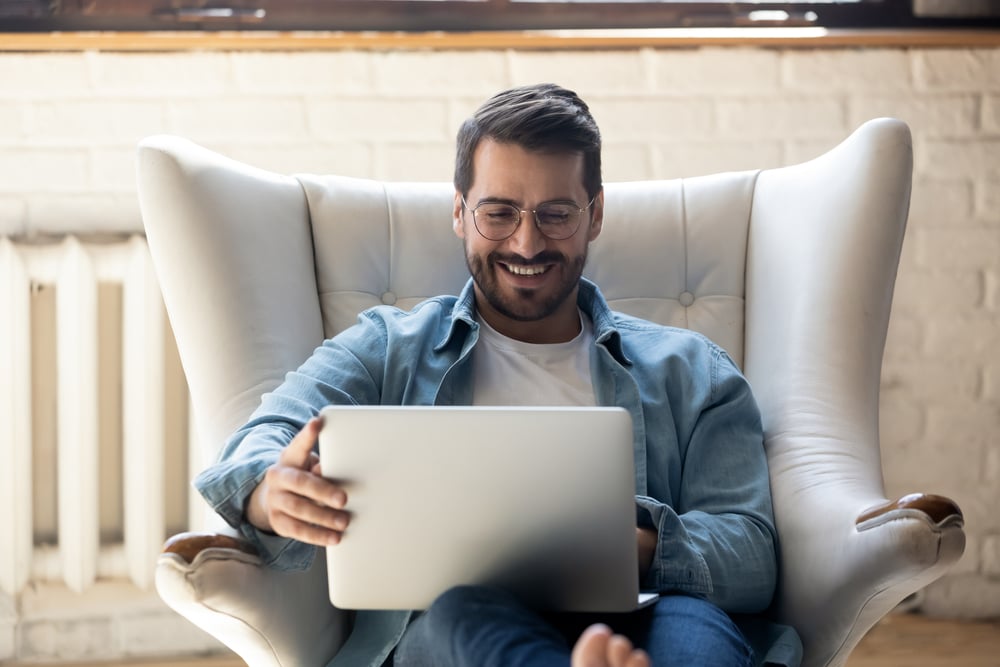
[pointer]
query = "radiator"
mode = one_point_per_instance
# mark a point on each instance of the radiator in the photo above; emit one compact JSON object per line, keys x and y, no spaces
{"x":78,"y":556}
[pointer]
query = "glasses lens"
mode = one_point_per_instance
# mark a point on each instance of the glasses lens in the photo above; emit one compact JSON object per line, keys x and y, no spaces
{"x":558,"y":221}
{"x":496,"y":221}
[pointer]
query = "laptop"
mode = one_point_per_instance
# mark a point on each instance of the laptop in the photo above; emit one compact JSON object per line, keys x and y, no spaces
{"x":540,"y":501}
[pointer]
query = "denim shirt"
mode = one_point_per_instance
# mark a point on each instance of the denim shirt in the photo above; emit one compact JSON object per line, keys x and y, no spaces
{"x":701,"y":472}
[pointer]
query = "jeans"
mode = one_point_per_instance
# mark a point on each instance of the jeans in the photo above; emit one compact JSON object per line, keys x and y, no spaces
{"x":471,"y":626}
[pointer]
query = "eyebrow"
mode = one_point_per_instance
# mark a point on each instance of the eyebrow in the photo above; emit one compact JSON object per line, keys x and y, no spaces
{"x":516,"y":204}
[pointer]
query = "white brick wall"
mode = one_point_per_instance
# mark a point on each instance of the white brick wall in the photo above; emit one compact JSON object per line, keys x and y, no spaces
{"x":956,"y":69}
{"x":853,"y":72}
{"x":717,"y":73}
{"x":69,"y":124}
{"x":601,"y":73}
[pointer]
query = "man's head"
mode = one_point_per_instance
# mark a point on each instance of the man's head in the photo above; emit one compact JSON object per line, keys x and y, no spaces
{"x":528,"y":202}
{"x":542,"y":117}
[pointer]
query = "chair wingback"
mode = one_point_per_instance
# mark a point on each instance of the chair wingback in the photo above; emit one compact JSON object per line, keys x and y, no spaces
{"x":232,"y":248}
{"x":825,"y":241}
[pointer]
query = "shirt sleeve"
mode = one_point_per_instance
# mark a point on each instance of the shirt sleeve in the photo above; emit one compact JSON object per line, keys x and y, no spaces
{"x":718,"y":540}
{"x":344,"y":370}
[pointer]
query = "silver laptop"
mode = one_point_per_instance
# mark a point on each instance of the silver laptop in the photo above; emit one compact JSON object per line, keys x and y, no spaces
{"x":537,"y":500}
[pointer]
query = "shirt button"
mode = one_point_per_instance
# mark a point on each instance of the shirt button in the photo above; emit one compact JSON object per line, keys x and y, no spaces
{"x":389,"y":298}
{"x":686,"y":299}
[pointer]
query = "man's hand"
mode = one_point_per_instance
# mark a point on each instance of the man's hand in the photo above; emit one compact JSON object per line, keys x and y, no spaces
{"x":646,"y":539}
{"x":294,"y":500}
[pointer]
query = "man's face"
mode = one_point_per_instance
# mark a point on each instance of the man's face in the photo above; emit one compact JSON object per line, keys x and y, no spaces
{"x":526,"y":284}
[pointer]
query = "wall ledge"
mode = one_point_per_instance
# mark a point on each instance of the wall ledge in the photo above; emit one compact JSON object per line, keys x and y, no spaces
{"x":811,"y":38}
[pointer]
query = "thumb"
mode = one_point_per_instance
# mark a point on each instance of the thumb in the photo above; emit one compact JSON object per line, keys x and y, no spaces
{"x":298,"y":453}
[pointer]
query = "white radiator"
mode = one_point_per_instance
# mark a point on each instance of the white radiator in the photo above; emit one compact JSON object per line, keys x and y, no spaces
{"x":77,"y":556}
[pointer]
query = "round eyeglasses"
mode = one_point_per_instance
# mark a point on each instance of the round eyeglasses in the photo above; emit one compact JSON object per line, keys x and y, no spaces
{"x":496,"y":221}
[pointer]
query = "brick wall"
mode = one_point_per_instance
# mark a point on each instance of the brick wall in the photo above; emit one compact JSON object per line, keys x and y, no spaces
{"x":69,"y":124}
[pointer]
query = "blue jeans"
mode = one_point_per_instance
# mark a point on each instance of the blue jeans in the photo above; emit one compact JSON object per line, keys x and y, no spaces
{"x":472,"y":626}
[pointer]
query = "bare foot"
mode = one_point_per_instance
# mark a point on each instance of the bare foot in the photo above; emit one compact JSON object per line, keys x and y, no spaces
{"x":598,"y":647}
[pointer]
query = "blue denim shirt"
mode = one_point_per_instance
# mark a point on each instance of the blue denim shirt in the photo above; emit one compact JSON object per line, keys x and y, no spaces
{"x":701,"y":473}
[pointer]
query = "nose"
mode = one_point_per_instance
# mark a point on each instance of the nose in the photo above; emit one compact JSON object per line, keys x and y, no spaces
{"x":526,"y":240}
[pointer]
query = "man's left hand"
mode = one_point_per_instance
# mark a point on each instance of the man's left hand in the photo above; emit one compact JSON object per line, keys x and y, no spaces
{"x":646,"y":539}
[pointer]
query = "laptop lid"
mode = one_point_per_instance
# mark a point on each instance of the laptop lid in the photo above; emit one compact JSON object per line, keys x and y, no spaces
{"x":537,"y":500}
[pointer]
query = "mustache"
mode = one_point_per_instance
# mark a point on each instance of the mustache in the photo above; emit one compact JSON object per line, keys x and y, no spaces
{"x":544,"y":257}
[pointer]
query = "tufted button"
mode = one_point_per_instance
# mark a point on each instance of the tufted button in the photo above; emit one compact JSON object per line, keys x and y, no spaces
{"x":389,"y":298}
{"x":686,"y":299}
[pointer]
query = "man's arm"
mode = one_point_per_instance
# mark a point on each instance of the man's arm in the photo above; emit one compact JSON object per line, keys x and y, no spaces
{"x":715,"y":533}
{"x":247,"y":486}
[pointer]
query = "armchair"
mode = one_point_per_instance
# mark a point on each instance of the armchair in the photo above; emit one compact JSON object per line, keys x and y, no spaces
{"x":790,"y":270}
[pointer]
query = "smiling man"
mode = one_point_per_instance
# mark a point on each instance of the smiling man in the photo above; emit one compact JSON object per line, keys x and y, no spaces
{"x":529,"y":330}
{"x":526,"y":277}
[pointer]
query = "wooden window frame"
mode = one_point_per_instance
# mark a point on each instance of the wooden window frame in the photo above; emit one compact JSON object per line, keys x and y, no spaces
{"x":477,"y":15}
{"x":173,"y":25}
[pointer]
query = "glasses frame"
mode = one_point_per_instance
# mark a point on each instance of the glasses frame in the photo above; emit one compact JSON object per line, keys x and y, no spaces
{"x":520,"y":216}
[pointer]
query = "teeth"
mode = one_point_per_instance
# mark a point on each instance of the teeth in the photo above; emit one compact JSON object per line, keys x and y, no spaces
{"x":525,"y":270}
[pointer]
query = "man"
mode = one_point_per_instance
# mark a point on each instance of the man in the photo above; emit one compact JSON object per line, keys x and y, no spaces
{"x":527,"y":329}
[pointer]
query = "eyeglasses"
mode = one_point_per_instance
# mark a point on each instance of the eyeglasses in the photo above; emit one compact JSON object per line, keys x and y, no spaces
{"x":496,"y":221}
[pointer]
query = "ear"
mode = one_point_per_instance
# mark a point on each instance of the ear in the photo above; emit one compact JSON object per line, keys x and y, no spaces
{"x":597,"y":216}
{"x":457,"y":219}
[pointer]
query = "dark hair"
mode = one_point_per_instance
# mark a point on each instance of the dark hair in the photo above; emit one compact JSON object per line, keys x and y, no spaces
{"x":543,"y":117}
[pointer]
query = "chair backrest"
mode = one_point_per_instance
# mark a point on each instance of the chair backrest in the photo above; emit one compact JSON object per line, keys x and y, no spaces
{"x":790,"y":270}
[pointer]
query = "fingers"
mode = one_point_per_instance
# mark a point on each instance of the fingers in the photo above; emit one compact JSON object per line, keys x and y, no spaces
{"x":305,"y":483}
{"x":305,"y":506}
{"x":302,"y":519}
{"x":314,"y":535}
{"x":299,"y":452}
{"x":294,"y":500}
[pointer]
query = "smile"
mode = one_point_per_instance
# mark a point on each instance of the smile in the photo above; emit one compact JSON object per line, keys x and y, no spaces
{"x":526,"y":270}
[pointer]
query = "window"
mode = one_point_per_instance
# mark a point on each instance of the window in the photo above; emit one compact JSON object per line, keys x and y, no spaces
{"x":474,"y":15}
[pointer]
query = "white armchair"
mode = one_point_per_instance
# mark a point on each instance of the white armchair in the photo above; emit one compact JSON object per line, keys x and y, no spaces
{"x":790,"y":270}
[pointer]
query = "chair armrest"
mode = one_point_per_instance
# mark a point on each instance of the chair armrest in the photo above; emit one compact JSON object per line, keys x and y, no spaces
{"x":189,"y":545}
{"x":937,"y":511}
{"x":861,"y":564}
{"x":268,"y":617}
{"x":910,"y":542}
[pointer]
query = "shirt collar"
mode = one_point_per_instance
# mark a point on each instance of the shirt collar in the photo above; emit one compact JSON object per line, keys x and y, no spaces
{"x":463,"y":317}
{"x":606,"y":333}
{"x":589,"y":299}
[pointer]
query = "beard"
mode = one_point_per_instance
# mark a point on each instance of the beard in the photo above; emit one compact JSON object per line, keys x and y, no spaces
{"x":525,"y":305}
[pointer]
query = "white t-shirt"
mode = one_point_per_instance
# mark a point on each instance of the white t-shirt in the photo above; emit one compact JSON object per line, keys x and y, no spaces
{"x":512,"y":372}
